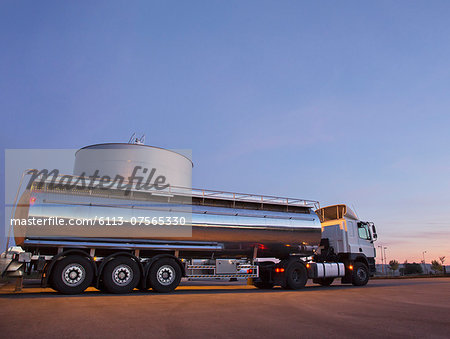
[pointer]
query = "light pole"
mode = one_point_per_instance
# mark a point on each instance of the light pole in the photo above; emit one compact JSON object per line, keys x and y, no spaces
{"x":385,"y":261}
{"x":381,"y":252}
{"x":424,"y":266}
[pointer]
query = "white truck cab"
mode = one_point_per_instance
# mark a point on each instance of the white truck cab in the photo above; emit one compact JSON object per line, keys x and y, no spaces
{"x":346,"y":237}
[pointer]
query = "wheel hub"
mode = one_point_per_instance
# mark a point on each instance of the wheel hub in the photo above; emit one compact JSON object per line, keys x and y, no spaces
{"x":361,"y":273}
{"x":165,"y":275}
{"x":73,"y":275}
{"x":296,"y":275}
{"x":122,"y":275}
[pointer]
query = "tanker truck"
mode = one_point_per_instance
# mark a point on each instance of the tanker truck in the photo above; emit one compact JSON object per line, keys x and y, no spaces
{"x":116,"y":240}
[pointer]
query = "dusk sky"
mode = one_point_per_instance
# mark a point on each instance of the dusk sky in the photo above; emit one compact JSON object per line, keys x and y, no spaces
{"x":341,"y":102}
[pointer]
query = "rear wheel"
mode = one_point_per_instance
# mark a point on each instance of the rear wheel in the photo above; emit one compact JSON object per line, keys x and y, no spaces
{"x":296,"y":276}
{"x":72,"y":275}
{"x":164,"y":275}
{"x":360,"y":274}
{"x":121,"y":275}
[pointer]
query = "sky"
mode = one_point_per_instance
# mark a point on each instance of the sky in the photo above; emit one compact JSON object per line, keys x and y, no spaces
{"x":336,"y":101}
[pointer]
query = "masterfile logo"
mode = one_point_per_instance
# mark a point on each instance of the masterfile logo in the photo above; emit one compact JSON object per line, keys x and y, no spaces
{"x":146,"y":181}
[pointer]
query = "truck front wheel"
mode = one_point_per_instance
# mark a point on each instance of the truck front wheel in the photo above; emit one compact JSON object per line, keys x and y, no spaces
{"x":360,"y":274}
{"x":72,"y":274}
{"x":164,"y":275}
{"x":121,"y":275}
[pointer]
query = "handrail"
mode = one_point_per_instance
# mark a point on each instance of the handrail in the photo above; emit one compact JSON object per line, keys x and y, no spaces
{"x":258,"y":198}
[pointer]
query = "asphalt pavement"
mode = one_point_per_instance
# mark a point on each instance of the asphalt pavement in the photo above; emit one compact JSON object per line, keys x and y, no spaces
{"x":383,"y":308}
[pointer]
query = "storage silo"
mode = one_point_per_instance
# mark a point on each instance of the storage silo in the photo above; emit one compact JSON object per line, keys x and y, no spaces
{"x":112,"y":159}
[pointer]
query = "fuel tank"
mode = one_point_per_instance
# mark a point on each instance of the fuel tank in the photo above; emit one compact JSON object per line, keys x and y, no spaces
{"x":238,"y":225}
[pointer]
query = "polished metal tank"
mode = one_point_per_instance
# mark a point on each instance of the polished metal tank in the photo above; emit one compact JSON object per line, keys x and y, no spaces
{"x":237,"y":225}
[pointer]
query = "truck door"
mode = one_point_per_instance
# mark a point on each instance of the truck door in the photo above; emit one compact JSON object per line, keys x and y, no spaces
{"x":365,"y":240}
{"x":353,"y":238}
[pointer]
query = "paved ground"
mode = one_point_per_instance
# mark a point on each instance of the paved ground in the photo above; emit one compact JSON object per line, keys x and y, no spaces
{"x":384,"y":308}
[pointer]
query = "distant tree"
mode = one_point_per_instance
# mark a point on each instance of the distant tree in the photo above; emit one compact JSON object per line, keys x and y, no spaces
{"x":393,"y":265}
{"x":436,"y":266}
{"x":442,"y":260}
{"x":413,"y":268}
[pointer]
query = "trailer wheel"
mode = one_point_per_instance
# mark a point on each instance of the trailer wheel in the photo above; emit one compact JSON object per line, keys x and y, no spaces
{"x":121,"y":275}
{"x":325,"y":281}
{"x":164,"y":275}
{"x":360,"y":274}
{"x":296,"y":276}
{"x":72,"y":275}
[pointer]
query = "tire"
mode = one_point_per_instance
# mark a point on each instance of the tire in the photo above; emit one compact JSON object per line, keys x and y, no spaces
{"x":264,"y":281}
{"x":360,"y":274}
{"x":164,"y":275}
{"x":121,"y":275}
{"x":325,"y":281}
{"x":296,"y":276}
{"x":263,"y":285}
{"x":72,"y":274}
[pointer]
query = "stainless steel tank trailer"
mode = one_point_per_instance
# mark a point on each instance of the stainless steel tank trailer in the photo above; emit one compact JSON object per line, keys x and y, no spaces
{"x":224,"y":234}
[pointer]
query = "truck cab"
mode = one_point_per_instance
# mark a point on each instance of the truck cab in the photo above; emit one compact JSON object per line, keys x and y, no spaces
{"x":346,"y":237}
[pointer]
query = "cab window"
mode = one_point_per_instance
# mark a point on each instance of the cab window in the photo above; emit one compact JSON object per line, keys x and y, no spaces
{"x":363,"y":232}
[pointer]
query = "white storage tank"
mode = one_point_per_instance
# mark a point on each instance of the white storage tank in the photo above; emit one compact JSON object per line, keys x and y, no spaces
{"x":114,"y":159}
